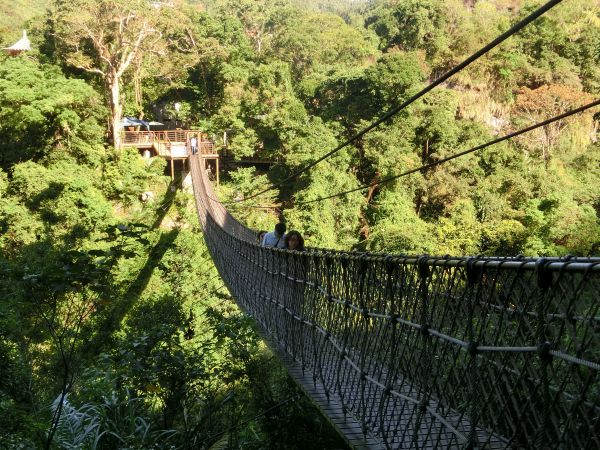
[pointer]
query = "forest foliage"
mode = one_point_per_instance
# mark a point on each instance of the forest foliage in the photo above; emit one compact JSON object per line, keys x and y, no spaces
{"x":115,"y":329}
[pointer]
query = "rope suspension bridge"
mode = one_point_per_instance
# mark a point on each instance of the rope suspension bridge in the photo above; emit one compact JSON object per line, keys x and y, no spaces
{"x":421,"y":352}
{"x":424,"y":352}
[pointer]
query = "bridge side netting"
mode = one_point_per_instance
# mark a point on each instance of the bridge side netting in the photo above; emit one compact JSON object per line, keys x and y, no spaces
{"x":427,"y":352}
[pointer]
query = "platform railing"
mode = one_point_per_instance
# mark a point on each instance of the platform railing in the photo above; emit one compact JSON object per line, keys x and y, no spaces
{"x":164,"y":140}
{"x":138,"y":138}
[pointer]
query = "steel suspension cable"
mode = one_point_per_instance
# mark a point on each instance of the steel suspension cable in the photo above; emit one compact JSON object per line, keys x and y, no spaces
{"x":457,"y":155}
{"x":514,"y":29}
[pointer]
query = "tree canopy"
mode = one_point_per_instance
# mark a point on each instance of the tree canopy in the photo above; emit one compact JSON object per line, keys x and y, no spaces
{"x":115,"y":328}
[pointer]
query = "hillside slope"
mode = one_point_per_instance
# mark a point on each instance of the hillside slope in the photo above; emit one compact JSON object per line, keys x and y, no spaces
{"x":14,"y":14}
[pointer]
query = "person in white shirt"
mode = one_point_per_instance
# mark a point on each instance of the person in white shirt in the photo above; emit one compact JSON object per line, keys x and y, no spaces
{"x":194,"y":145}
{"x":275,"y":238}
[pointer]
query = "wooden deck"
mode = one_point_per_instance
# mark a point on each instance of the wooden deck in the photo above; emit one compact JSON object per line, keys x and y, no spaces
{"x":170,"y":144}
{"x":175,"y":145}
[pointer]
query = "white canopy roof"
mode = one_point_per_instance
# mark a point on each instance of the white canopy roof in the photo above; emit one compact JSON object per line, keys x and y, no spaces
{"x":22,"y":44}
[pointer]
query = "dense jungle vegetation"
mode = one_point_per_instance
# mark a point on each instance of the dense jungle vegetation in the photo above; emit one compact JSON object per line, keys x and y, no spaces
{"x":115,"y":329}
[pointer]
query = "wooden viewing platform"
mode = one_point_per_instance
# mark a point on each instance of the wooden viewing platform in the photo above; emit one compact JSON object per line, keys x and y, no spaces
{"x":175,"y":145}
{"x":171,"y":145}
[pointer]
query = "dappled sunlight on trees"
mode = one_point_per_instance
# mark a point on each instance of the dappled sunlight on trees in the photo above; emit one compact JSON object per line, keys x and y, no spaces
{"x":41,"y":111}
{"x":114,"y":324}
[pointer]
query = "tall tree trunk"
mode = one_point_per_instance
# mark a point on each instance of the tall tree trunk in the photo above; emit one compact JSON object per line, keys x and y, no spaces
{"x":425,"y":153}
{"x":116,"y":109}
{"x":418,"y":204}
{"x":365,"y":229}
{"x":546,"y":147}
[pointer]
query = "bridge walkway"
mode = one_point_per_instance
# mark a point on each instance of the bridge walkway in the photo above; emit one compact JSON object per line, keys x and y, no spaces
{"x":421,"y":352}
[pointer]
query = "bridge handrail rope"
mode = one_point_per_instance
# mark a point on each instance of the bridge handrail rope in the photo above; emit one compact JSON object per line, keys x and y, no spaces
{"x":430,"y":165}
{"x":456,"y":155}
{"x":475,"y":56}
{"x":442,"y":352}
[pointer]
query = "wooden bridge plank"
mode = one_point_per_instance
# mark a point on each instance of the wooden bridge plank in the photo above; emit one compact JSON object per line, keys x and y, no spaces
{"x":346,"y":425}
{"x":400,"y":414}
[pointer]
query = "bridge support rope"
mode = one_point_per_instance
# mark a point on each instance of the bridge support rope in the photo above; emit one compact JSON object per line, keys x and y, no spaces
{"x":422,"y":352}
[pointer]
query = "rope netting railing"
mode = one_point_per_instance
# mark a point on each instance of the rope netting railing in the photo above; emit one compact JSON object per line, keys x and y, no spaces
{"x":427,"y":352}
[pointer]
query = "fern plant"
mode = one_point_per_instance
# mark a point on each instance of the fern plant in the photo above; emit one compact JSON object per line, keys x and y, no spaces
{"x":113,"y":423}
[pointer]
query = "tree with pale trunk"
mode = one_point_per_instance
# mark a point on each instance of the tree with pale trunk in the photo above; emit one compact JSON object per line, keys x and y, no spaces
{"x":110,"y":38}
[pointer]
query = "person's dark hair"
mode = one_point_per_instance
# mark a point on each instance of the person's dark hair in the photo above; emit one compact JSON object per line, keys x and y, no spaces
{"x":300,"y":247}
{"x":260,"y":235}
{"x":280,"y":228}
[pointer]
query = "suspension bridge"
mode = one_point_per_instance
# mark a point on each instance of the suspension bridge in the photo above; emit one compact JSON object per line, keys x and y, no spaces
{"x":423,"y":352}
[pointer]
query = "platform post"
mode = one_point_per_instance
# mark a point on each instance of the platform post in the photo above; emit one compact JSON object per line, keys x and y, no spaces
{"x":172,"y":169}
{"x":217,"y":165}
